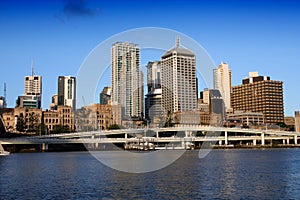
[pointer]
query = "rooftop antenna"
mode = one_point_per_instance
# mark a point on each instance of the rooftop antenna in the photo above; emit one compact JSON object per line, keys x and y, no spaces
{"x":32,"y":67}
{"x":177,"y":42}
{"x":4,"y":90}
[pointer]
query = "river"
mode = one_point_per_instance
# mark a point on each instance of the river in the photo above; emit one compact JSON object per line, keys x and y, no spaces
{"x":222,"y":174}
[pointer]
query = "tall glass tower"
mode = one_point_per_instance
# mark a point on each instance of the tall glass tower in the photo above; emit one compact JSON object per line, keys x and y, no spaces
{"x":127,"y":78}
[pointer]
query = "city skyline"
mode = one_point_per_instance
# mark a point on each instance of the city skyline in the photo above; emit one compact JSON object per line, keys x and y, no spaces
{"x":262,"y":38}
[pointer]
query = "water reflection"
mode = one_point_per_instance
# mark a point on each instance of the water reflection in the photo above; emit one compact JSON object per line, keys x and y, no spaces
{"x":223,"y":174}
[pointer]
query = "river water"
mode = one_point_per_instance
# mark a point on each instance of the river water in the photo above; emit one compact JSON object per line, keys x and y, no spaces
{"x":222,"y":174}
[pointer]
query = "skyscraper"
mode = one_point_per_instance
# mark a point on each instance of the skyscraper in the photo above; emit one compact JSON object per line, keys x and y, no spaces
{"x":2,"y":102}
{"x":105,"y":95}
{"x":222,"y":82}
{"x":67,"y":91}
{"x":260,"y":94}
{"x":153,"y":109}
{"x":32,"y":97}
{"x":178,"y":79}
{"x":127,"y":78}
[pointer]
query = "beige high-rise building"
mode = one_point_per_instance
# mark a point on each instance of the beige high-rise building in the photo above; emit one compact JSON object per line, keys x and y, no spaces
{"x":32,"y":92}
{"x":260,"y":94}
{"x":222,"y":82}
{"x":127,"y":78}
{"x":178,"y":80}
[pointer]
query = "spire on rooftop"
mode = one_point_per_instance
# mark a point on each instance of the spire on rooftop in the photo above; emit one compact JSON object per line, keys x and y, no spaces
{"x":177,"y":42}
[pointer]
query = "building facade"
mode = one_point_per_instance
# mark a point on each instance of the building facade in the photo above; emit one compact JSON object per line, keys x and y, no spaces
{"x":2,"y":102}
{"x":222,"y":82}
{"x":32,"y":97}
{"x":260,"y":94}
{"x":98,"y":117}
{"x":26,"y":118}
{"x":246,"y":118}
{"x":67,"y":91}
{"x":105,"y":95}
{"x":153,"y":107}
{"x":62,"y":116}
{"x":127,"y":78}
{"x":178,"y":80}
{"x":297,"y":121}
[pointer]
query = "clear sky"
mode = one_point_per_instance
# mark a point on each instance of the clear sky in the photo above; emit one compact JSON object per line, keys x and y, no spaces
{"x":254,"y":35}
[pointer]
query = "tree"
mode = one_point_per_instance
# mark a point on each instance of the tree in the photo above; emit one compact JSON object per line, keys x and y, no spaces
{"x":21,"y":125}
{"x":115,"y":127}
{"x":169,"y":119}
{"x":41,"y":129}
{"x":281,"y":124}
{"x":61,"y":129}
{"x":32,"y":122}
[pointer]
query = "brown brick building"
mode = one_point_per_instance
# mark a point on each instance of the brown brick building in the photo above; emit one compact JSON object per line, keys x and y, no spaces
{"x":63,"y":116}
{"x":260,"y":94}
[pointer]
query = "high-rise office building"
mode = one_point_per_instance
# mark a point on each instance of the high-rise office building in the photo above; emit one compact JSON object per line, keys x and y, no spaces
{"x":153,"y":75}
{"x":67,"y":91}
{"x":105,"y":95}
{"x":153,"y":108}
{"x":127,"y":78}
{"x":260,"y":94}
{"x":33,"y":85}
{"x":178,"y":80}
{"x":2,"y":102}
{"x":32,"y":92}
{"x":222,"y":82}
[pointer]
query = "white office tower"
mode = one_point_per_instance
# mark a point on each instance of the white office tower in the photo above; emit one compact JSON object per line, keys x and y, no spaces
{"x":222,"y":82}
{"x":127,"y":78}
{"x":67,"y":91}
{"x":178,"y":80}
{"x":32,"y":90}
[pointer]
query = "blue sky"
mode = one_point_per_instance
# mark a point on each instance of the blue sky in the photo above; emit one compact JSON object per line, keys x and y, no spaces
{"x":258,"y":36}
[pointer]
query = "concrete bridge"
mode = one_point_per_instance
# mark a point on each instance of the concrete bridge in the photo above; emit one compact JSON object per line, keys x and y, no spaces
{"x":221,"y":136}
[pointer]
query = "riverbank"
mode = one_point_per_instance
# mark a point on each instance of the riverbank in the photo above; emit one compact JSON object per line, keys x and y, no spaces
{"x":111,"y":147}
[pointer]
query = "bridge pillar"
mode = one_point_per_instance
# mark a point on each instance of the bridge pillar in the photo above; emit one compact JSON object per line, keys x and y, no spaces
{"x":157,"y":134}
{"x":188,"y":133}
{"x":254,"y":142}
{"x":226,"y":138}
{"x":283,"y":141}
{"x":295,"y":139}
{"x":262,"y":139}
{"x":96,"y":145}
{"x":288,"y":141}
{"x":220,"y":142}
{"x":126,"y":135}
{"x":44,"y":147}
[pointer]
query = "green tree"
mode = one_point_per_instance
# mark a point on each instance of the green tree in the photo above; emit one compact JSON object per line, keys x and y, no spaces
{"x":281,"y":124}
{"x":32,"y":122}
{"x":21,"y":125}
{"x":41,"y":129}
{"x":61,"y":129}
{"x":115,"y":126}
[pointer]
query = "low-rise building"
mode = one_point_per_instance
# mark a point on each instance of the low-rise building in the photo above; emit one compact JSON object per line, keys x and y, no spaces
{"x":63,"y":116}
{"x":297,"y":121}
{"x":98,"y":117}
{"x":246,"y":118}
{"x":21,"y":119}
